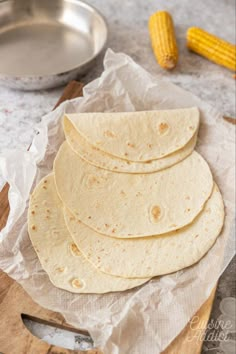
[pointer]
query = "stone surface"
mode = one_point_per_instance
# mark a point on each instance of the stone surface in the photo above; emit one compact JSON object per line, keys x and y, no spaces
{"x":127,"y":21}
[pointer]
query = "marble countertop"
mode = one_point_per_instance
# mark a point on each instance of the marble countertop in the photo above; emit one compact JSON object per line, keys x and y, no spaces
{"x":127,"y":21}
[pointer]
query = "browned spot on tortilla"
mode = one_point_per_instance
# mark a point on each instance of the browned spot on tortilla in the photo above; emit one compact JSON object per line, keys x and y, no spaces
{"x":44,"y":187}
{"x":122,"y":192}
{"x":45,"y":181}
{"x":89,"y":217}
{"x":94,"y":148}
{"x":187,"y":210}
{"x":74,"y":249}
{"x":156,"y":213}
{"x":163,"y":128}
{"x":109,"y":134}
{"x":32,"y":212}
{"x":36,"y":206}
{"x":72,"y":218}
{"x":149,"y":145}
{"x":148,"y":161}
{"x":113,"y":231}
{"x":92,"y":180}
{"x":187,"y":197}
{"x":60,"y":269}
{"x":47,"y":217}
{"x":76,"y":283}
{"x":106,"y":225}
{"x":191,"y":128}
{"x":196,"y":236}
{"x":131,"y":145}
{"x":126,"y":154}
{"x":33,"y":227}
{"x":48,"y":210}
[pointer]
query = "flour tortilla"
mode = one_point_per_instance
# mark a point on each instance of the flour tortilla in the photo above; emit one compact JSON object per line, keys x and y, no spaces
{"x":66,"y":266}
{"x":152,"y":256}
{"x":138,"y":136}
{"x":101,"y":159}
{"x":132,"y":205}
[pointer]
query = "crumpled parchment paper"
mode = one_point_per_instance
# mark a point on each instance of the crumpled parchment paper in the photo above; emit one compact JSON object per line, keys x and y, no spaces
{"x":146,"y":319}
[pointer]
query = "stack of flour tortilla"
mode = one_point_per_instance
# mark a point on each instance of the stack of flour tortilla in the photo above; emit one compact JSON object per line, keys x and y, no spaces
{"x":128,"y":199}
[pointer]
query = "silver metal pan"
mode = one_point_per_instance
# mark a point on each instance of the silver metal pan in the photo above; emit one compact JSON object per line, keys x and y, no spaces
{"x":46,"y":43}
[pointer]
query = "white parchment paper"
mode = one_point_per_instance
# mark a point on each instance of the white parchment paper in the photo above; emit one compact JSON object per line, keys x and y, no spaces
{"x":146,"y":319}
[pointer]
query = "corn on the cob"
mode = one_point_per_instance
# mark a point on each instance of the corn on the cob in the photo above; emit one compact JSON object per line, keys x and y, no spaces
{"x":212,"y":47}
{"x":163,"y":39}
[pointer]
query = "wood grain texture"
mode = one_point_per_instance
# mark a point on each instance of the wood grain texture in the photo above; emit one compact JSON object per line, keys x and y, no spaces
{"x":230,"y":120}
{"x":4,"y":206}
{"x":73,"y":89}
{"x":14,"y":301}
{"x":15,"y":338}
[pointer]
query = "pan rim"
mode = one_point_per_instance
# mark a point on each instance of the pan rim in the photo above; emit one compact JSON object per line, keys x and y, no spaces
{"x":90,"y":58}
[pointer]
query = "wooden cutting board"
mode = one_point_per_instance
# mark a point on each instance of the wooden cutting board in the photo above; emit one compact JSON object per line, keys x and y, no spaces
{"x":14,"y":301}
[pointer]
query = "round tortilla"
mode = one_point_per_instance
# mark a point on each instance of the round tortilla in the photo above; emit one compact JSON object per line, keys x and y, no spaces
{"x":67,"y":268}
{"x":138,"y":136}
{"x":132,"y":205}
{"x":152,"y":256}
{"x":101,"y":159}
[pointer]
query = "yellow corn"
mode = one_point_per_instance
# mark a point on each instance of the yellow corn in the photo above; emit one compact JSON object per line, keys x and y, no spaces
{"x":163,"y":40}
{"x":212,"y":47}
